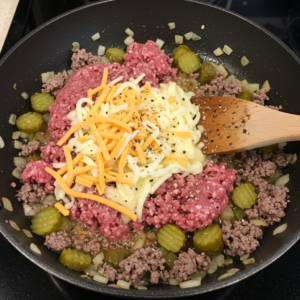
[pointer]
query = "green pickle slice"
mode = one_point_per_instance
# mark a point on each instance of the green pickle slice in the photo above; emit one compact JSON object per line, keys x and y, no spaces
{"x":244,"y":196}
{"x":268,"y":149}
{"x":36,"y":157}
{"x":115,"y":55}
{"x":46,"y":221}
{"x":244,"y":94}
{"x":179,"y":51}
{"x":75,"y":259}
{"x":65,"y":224}
{"x":171,"y":237}
{"x":30,"y":122}
{"x":207,"y":73}
{"x":239,"y":214}
{"x":209,"y":240}
{"x":114,"y":257}
{"x":188,"y":62}
{"x":41,"y":102}
{"x":169,"y":257}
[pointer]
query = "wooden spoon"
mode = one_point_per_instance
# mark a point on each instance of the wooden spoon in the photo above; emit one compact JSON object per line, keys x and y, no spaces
{"x":234,"y":125}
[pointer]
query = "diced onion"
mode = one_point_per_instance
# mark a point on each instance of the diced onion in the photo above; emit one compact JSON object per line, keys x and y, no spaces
{"x":12,"y":119}
{"x":70,"y":72}
{"x":25,"y":95}
{"x":221,"y":69}
{"x":7,"y":204}
{"x":100,"y":279}
{"x":280,"y":229}
{"x":35,"y":248}
{"x":105,"y":60}
{"x":125,"y":219}
{"x":227,"y":50}
{"x":249,"y":261}
{"x":178,"y":39}
{"x":244,"y":83}
{"x":96,"y":36}
{"x":46,"y":117}
{"x":219,"y":259}
{"x":151,"y":235}
{"x":225,"y":276}
{"x":259,"y":222}
{"x":27,"y":233}
{"x":196,"y":37}
{"x":46,"y":76}
{"x":244,"y":61}
{"x":218,"y":52}
{"x":199,"y":275}
{"x":123,"y":284}
{"x":233,"y":270}
{"x":59,"y":165}
{"x":15,"y":86}
{"x":283,"y":180}
{"x":16,"y":135}
{"x":266,"y":86}
{"x":213,"y":268}
{"x":138,"y":244}
{"x":229,"y":79}
{"x":293,"y":159}
{"x":228,"y":261}
{"x":160,"y":43}
{"x":202,"y":27}
{"x":20,"y":161}
{"x":90,"y":272}
{"x":76,"y":47}
{"x":98,"y":259}
{"x":24,"y":135}
{"x":101,"y":50}
{"x":190,"y":283}
{"x":17,"y":144}
{"x":251,"y":87}
{"x":171,"y":25}
{"x":244,"y":257}
{"x":129,"y":40}
{"x":173,"y":281}
{"x":129,"y":32}
{"x":16,"y":173}
{"x":189,"y":35}
{"x":14,"y":225}
{"x":50,"y":197}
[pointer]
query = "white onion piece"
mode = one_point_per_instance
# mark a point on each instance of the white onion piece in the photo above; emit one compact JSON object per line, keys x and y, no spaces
{"x":293,"y":159}
{"x":46,"y":76}
{"x":266,"y":86}
{"x":219,"y":259}
{"x":227,"y":50}
{"x":50,"y":197}
{"x":12,"y":119}
{"x":100,"y":279}
{"x":16,"y":135}
{"x":96,"y":36}
{"x":7,"y":204}
{"x":249,"y":261}
{"x":98,"y":259}
{"x":221,"y":69}
{"x":244,"y":257}
{"x":123,"y":284}
{"x":228,"y":261}
{"x":138,"y":244}
{"x":101,"y":51}
{"x":259,"y":222}
{"x":14,"y":225}
{"x":20,"y":161}
{"x":251,"y":87}
{"x":160,"y":43}
{"x":129,"y":40}
{"x":225,"y":276}
{"x":25,"y":95}
{"x":171,"y":25}
{"x":196,"y":37}
{"x":59,"y":165}
{"x":105,"y":60}
{"x":190,"y":283}
{"x":178,"y":39}
{"x":27,"y":233}
{"x":213,"y":268}
{"x":35,"y":248}
{"x":199,"y":275}
{"x":76,"y":47}
{"x":244,"y":83}
{"x":189,"y":35}
{"x":90,"y":272}
{"x":218,"y":52}
{"x":202,"y":27}
{"x":125,"y":219}
{"x":173,"y":281}
{"x":280,"y":229}
{"x":129,"y":32}
{"x":283,"y":180}
{"x":46,"y":117}
{"x":233,"y":270}
{"x":244,"y":61}
{"x":16,"y":173}
{"x":24,"y":135}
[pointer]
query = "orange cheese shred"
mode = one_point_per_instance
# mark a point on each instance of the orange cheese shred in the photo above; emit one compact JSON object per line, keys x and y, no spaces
{"x":123,"y":161}
{"x":140,"y":153}
{"x":84,"y":182}
{"x":99,"y":101}
{"x":100,"y":164}
{"x":62,"y":209}
{"x":75,"y":161}
{"x":70,"y":171}
{"x":102,"y":85}
{"x":147,"y":143}
{"x":83,"y":170}
{"x":181,"y":134}
{"x":172,"y":100}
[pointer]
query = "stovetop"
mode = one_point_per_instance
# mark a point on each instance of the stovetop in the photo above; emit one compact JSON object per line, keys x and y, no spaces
{"x":21,"y":279}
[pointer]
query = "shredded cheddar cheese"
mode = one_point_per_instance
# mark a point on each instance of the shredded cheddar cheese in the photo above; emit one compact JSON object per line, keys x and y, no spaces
{"x":62,"y":209}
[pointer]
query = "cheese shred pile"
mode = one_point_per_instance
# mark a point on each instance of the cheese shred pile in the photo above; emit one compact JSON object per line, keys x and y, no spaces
{"x":128,"y":140}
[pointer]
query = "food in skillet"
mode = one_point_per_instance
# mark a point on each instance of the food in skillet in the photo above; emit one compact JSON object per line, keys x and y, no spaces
{"x":115,"y":179}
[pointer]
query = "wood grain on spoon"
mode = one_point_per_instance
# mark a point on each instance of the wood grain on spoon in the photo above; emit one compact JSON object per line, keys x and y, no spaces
{"x":234,"y":125}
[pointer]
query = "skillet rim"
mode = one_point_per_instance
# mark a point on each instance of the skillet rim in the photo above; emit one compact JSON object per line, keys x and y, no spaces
{"x":134,"y":293}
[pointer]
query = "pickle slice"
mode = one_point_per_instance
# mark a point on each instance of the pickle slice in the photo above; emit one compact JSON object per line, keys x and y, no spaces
{"x":75,"y":259}
{"x":268,"y":149}
{"x":188,"y":62}
{"x":207,"y":73}
{"x":65,"y":224}
{"x":36,"y":157}
{"x":244,"y":94}
{"x":171,"y":237}
{"x":170,"y":259}
{"x":239,"y":214}
{"x":209,"y":240}
{"x":30,"y":122}
{"x":115,"y":55}
{"x":46,"y":221}
{"x":114,"y":257}
{"x":41,"y":102}
{"x":227,"y":214}
{"x":179,"y":51}
{"x":244,"y":196}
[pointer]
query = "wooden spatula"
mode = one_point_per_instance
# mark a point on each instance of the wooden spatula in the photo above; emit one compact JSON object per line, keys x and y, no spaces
{"x":234,"y":125}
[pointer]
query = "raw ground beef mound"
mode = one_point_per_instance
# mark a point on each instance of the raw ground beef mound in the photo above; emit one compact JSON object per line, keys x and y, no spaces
{"x":30,"y":148}
{"x":57,"y":241}
{"x":55,"y":83}
{"x":31,"y":192}
{"x":240,"y":237}
{"x":52,"y":153}
{"x":191,"y":202}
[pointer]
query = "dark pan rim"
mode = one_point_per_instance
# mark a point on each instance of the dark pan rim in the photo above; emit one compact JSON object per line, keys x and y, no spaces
{"x":134,"y":293}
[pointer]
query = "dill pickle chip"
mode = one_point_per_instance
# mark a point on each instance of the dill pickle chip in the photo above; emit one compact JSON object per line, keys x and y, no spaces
{"x":209,"y":240}
{"x":75,"y":259}
{"x":244,"y":94}
{"x":268,"y":149}
{"x":36,"y":157}
{"x":164,"y":251}
{"x":46,"y":221}
{"x":239,"y":213}
{"x":114,"y":257}
{"x":188,"y":62}
{"x":115,"y":55}
{"x":207,"y":73}
{"x":170,"y":259}
{"x":65,"y":224}
{"x":41,"y":102}
{"x":179,"y":51}
{"x":171,"y":237}
{"x":30,"y":122}
{"x":244,"y":196}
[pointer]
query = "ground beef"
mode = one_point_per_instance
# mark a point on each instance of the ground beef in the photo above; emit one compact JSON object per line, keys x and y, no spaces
{"x":260,"y":98}
{"x":52,"y":153}
{"x":280,"y":158}
{"x":55,"y":83}
{"x":219,"y":87}
{"x":81,"y":58}
{"x":35,"y":172}
{"x":188,"y":83}
{"x":88,"y":244}
{"x":188,"y":263}
{"x":13,"y":184}
{"x":31,"y":192}
{"x":109,"y":272}
{"x":240,"y":237}
{"x":191,"y":202}
{"x":57,"y":241}
{"x":30,"y":148}
{"x":133,"y":268}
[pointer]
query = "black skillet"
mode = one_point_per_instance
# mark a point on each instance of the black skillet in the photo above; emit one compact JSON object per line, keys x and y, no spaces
{"x":48,"y":49}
